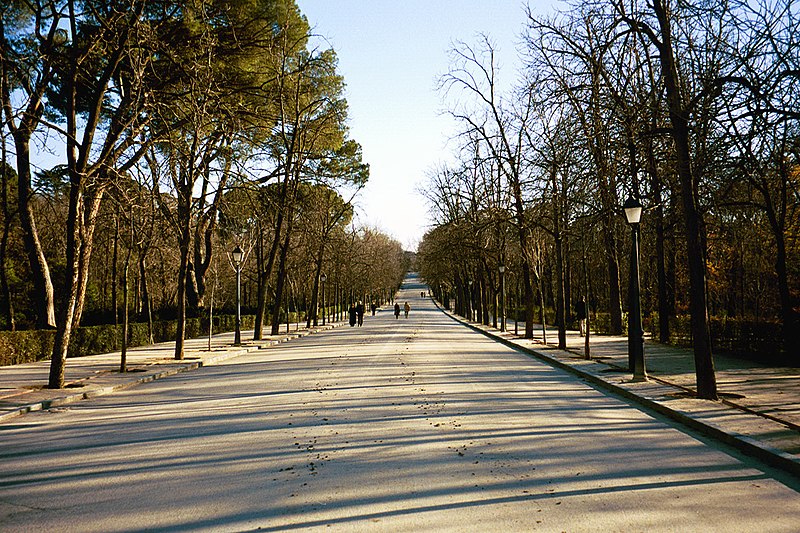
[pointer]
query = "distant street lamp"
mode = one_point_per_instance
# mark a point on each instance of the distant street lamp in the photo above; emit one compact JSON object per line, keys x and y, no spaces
{"x":633,"y":214}
{"x":237,"y":256}
{"x":502,"y":269}
{"x":323,"y":278}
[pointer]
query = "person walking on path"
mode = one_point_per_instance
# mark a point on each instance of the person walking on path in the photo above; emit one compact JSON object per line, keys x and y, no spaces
{"x":406,"y":308}
{"x":580,"y":314}
{"x":360,"y":313}
{"x":352,"y":312}
{"x":397,"y":310}
{"x":373,"y":306}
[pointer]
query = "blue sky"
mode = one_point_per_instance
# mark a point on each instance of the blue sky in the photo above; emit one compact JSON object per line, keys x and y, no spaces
{"x":391,"y":54}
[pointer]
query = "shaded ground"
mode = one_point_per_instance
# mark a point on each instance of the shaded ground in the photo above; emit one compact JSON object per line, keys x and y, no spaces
{"x":402,"y":425}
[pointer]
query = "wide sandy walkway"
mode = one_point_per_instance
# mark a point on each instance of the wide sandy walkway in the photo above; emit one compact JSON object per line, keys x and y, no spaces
{"x":414,"y":424}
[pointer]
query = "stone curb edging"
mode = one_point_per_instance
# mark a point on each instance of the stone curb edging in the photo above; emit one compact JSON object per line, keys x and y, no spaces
{"x":183,"y":366}
{"x":748,"y":445}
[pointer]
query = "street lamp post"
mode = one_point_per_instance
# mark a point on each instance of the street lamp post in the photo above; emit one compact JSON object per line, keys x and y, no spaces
{"x":323,"y":278}
{"x":633,"y":214}
{"x":237,"y":255}
{"x":502,"y":269}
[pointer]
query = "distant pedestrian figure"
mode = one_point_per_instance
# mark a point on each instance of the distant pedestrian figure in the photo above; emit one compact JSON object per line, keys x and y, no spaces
{"x":397,"y":310}
{"x":373,"y":306}
{"x":406,"y":308}
{"x":580,"y":314}
{"x":360,"y":313}
{"x":422,"y":294}
{"x":353,"y":314}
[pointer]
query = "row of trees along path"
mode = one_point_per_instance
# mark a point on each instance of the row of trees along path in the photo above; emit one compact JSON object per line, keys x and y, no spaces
{"x":690,"y":108}
{"x":188,"y":128}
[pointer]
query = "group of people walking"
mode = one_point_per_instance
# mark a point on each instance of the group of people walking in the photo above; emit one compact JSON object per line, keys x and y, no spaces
{"x":406,"y":308}
{"x":356,"y":312}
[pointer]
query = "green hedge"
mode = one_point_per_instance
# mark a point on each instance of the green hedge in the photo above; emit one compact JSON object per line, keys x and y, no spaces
{"x":17,"y":347}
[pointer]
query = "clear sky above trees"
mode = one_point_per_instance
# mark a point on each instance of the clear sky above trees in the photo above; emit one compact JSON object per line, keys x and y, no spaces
{"x":391,"y":54}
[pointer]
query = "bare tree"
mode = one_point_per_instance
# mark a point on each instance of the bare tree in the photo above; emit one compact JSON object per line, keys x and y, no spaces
{"x":501,"y":128}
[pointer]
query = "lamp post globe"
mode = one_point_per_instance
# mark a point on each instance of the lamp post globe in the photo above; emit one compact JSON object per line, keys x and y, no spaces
{"x":636,"y":364}
{"x":237,"y":255}
{"x":633,"y":210}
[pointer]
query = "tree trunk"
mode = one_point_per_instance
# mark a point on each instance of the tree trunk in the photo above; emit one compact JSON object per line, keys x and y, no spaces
{"x":85,"y":251}
{"x":180,"y":332}
{"x":477,"y":287}
{"x":264,"y":277}
{"x":147,"y":310}
{"x":457,"y":295}
{"x":66,"y":313}
{"x":587,"y":288}
{"x":74,"y":235}
{"x":184,"y":237}
{"x":114,"y":273}
{"x":192,"y":294}
{"x":6,"y":304}
{"x":315,"y":289}
{"x":701,"y":335}
{"x":542,"y":316}
{"x":40,"y":272}
{"x":123,"y":365}
{"x":566,"y":254}
{"x":527,"y":288}
{"x":612,"y":262}
{"x":495,"y":305}
{"x":276,"y":310}
{"x":558,"y":237}
{"x":560,"y":305}
{"x":29,"y":119}
{"x":485,"y":284}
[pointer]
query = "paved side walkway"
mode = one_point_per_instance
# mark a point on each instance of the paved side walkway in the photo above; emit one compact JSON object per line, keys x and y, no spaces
{"x":759,"y":407}
{"x":772,"y":392}
{"x":23,"y":387}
